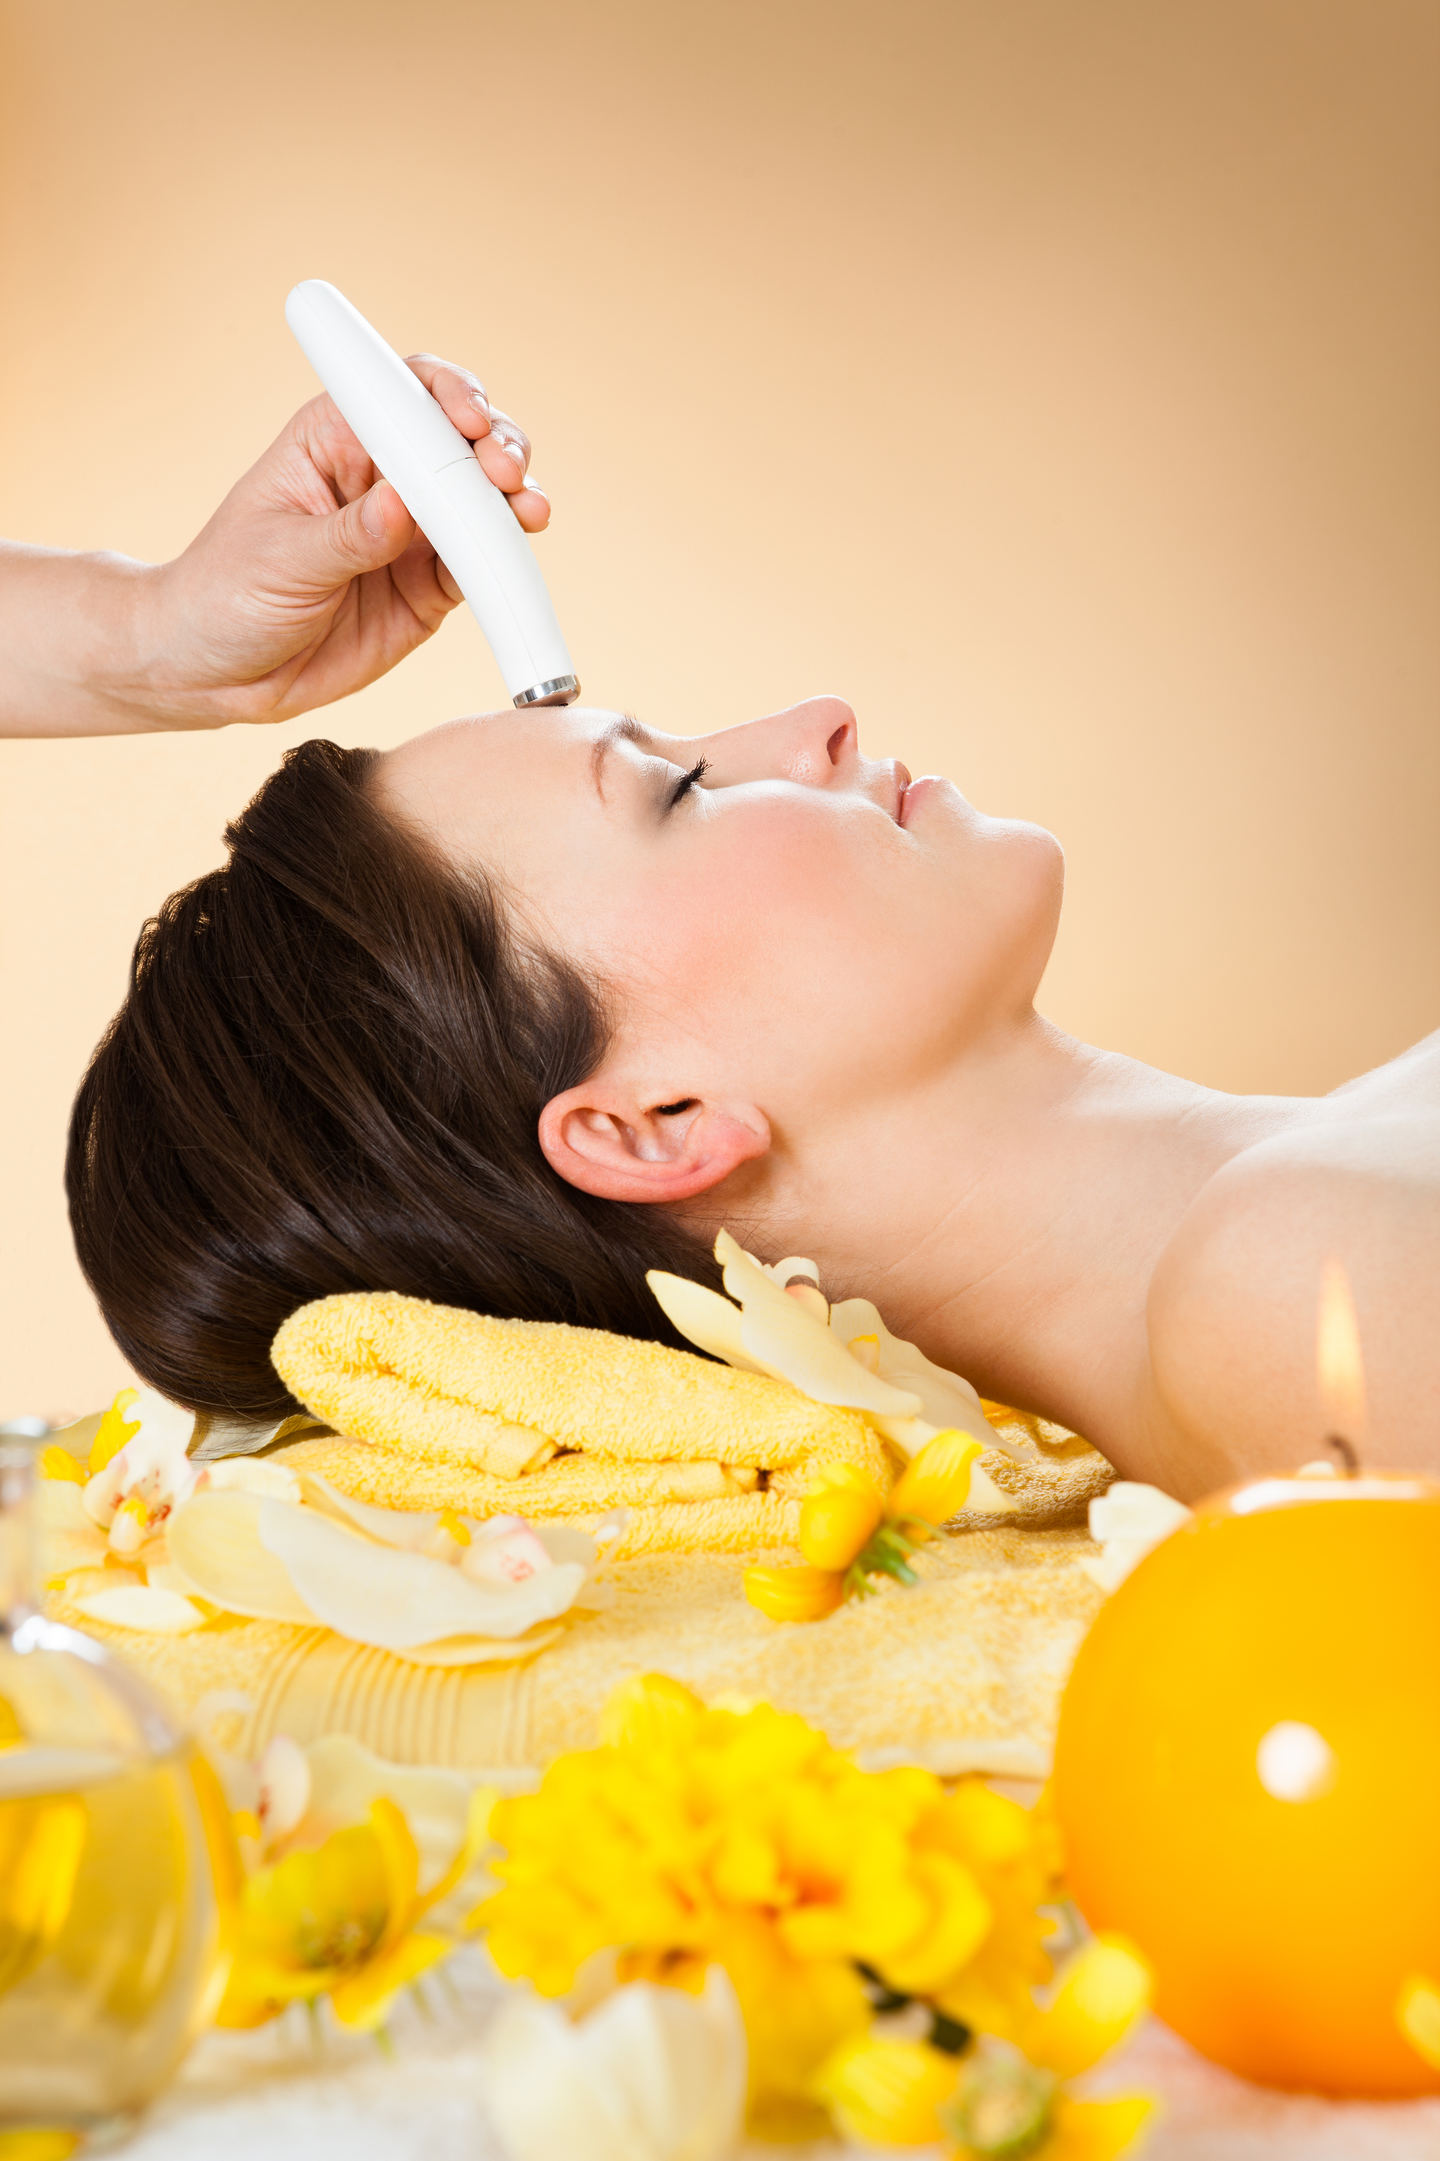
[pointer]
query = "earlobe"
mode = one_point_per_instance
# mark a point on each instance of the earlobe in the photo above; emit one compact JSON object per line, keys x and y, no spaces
{"x":670,"y":1153}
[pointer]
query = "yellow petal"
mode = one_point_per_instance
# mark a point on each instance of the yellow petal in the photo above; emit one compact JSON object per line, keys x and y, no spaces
{"x":1096,"y":2130}
{"x":363,"y":1999}
{"x":837,"y":1519}
{"x":957,"y":1923}
{"x":58,"y":1463}
{"x":1419,"y":2014}
{"x":37,"y":2143}
{"x":794,"y":1594}
{"x":648,"y":1709}
{"x":114,"y":1430}
{"x":936,"y":1483}
{"x":1103,"y":1991}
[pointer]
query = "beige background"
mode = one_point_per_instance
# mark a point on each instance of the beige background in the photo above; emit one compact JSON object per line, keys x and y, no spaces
{"x":1056,"y":378}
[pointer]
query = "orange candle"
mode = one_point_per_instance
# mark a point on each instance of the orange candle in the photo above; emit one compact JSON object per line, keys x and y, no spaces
{"x":1247,"y":1775}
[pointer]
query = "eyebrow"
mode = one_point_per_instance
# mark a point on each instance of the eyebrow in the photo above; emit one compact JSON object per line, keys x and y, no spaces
{"x":626,"y":729}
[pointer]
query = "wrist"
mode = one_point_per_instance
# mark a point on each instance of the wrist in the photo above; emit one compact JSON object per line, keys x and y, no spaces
{"x":73,"y":643}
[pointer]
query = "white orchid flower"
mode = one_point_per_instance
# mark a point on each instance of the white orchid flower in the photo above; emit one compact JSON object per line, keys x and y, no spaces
{"x":157,"y":1542}
{"x":1127,"y":1522}
{"x":105,"y":1537}
{"x":437,"y":1589}
{"x":782,"y":1325}
{"x":652,"y":2074}
{"x":135,"y":1491}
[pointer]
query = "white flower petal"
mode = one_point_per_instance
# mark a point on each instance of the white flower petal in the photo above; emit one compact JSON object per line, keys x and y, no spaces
{"x":563,"y":1542}
{"x":986,"y":1498}
{"x":508,"y":1555}
{"x":160,"y":1613}
{"x":395,"y":1599}
{"x":284,"y":1776}
{"x":703,"y":1317}
{"x":344,"y":1778}
{"x":412,"y":1529}
{"x":1127,"y":1522}
{"x":215,"y":1539}
{"x":165,"y":1425}
{"x":652,"y":2074}
{"x":479,"y":1650}
{"x":244,"y":1474}
{"x":944,"y":1400}
{"x":781,"y":1336}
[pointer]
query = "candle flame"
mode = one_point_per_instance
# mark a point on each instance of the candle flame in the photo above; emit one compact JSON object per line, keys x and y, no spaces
{"x":1340,"y":1368}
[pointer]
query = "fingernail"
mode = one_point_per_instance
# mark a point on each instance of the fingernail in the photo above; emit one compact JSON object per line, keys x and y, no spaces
{"x":478,"y":397}
{"x":517,"y":452}
{"x":371,"y":515}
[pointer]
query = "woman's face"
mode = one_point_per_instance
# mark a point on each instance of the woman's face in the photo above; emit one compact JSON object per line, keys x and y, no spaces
{"x":774,"y":915}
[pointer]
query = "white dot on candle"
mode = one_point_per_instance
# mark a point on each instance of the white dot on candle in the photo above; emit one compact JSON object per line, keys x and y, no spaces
{"x":1294,"y":1762}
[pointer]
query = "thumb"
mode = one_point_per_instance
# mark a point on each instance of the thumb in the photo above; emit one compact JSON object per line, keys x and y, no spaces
{"x":357,"y":537}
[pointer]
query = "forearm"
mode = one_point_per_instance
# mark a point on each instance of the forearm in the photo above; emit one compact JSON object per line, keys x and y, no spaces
{"x":72,"y":643}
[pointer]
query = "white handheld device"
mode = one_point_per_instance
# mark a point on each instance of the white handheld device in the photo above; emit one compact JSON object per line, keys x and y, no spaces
{"x":435,"y":473}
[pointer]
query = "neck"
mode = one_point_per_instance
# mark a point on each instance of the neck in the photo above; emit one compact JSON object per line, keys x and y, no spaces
{"x":1010,"y":1213}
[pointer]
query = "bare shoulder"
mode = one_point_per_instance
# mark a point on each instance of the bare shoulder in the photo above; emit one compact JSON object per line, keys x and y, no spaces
{"x":1404,"y":1085}
{"x":1233,"y":1303}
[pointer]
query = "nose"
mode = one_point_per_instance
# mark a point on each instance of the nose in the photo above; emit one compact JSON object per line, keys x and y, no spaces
{"x":815,"y":742}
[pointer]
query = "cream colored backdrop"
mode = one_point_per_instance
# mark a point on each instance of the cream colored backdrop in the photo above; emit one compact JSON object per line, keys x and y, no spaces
{"x":1055,"y":378}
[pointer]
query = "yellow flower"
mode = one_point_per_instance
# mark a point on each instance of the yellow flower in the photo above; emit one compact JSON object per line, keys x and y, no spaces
{"x":888,"y":2093}
{"x":795,"y":1594}
{"x":42,"y":1839}
{"x":739,"y":1837}
{"x":339,"y":1920}
{"x":1003,"y":2101}
{"x":839,"y":1517}
{"x":850,"y":1532}
{"x":1418,"y":2011}
{"x":935,"y":1484}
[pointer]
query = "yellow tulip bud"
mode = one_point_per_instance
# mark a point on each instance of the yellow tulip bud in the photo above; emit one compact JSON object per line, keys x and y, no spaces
{"x":887,"y":2093}
{"x":839,"y":1516}
{"x":936,"y":1482}
{"x":794,"y":1594}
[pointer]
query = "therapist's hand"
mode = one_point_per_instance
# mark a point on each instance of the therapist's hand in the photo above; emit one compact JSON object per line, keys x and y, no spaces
{"x":311,"y":579}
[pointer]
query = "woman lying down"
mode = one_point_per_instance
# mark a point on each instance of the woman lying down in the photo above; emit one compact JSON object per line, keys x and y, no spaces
{"x":507,"y":1016}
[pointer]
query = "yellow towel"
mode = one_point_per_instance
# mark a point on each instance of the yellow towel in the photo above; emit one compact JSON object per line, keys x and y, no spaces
{"x":436,"y":1407}
{"x":962,"y":1673}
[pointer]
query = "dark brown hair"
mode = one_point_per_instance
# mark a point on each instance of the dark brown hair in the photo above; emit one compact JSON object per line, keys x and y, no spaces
{"x":326,"y":1076}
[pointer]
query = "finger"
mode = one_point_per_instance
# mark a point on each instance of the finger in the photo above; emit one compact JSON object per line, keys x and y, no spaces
{"x":531,"y":506}
{"x":504,"y":455}
{"x":459,"y":394}
{"x":327,"y":552}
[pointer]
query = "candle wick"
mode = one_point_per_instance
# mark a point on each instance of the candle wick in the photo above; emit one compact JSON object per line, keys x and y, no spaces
{"x":1349,"y":1461}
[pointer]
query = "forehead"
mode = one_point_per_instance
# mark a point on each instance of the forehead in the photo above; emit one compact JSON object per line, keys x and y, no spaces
{"x":489,"y":758}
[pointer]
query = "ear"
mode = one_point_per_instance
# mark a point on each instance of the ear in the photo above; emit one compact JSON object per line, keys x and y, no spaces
{"x":618,"y":1148}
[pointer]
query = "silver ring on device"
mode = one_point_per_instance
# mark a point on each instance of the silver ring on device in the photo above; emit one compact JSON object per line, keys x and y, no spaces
{"x":558,"y":691}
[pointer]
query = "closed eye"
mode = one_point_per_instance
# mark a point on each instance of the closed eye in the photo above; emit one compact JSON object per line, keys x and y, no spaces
{"x":687,"y":781}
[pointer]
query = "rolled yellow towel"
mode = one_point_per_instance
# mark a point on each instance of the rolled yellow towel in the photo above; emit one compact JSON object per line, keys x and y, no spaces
{"x":437,"y":1407}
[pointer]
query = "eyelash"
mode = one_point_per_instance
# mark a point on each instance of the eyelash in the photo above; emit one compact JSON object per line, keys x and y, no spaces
{"x":688,"y":781}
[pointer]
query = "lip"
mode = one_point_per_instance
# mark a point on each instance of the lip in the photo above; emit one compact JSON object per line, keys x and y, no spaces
{"x":914,"y":794}
{"x":900,"y":774}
